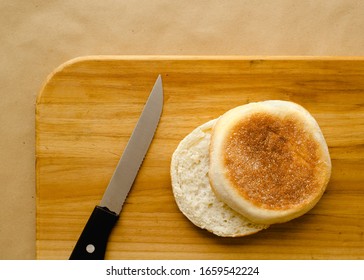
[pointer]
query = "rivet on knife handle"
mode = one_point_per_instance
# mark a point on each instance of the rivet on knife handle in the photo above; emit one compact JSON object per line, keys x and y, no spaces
{"x":93,"y":240}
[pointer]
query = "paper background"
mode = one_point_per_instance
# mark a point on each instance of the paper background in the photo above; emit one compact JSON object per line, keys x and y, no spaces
{"x":37,"y":36}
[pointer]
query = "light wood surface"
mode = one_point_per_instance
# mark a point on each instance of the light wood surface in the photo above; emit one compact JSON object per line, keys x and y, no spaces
{"x":89,"y":106}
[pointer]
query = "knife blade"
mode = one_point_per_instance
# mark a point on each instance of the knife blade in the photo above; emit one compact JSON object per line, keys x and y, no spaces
{"x":92,"y":242}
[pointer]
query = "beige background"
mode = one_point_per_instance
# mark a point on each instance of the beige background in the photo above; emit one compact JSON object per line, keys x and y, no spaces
{"x":37,"y":36}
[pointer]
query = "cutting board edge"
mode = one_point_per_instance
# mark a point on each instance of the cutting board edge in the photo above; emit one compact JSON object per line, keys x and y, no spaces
{"x":79,"y":59}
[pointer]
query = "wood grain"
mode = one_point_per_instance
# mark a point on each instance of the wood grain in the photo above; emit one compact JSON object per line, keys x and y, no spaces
{"x":89,"y":106}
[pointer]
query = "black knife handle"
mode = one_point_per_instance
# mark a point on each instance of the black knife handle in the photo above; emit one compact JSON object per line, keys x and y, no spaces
{"x":93,"y":240}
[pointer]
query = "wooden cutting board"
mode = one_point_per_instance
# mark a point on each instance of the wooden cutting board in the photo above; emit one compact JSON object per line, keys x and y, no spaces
{"x":89,"y":106}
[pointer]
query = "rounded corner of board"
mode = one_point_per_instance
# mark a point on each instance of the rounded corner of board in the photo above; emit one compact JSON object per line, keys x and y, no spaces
{"x":69,"y":63}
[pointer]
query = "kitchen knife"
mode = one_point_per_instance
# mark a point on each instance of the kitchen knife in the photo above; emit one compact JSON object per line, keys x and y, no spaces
{"x":91,"y":245}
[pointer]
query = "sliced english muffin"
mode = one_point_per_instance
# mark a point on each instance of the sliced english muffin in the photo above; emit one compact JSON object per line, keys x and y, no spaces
{"x":193,"y":193}
{"x":268,"y":161}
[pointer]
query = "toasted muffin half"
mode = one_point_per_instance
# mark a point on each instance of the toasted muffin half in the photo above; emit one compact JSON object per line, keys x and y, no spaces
{"x":269,"y":161}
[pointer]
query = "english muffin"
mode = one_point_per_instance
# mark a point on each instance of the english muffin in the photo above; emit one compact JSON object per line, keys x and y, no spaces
{"x":268,"y":161}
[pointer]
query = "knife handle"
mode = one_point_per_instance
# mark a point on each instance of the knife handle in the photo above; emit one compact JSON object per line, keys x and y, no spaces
{"x":93,"y":240}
